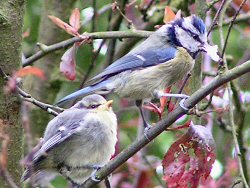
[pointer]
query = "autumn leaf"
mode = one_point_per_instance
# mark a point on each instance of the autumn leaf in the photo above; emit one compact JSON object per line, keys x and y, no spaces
{"x":69,"y":29}
{"x":68,"y":63}
{"x":190,"y":158}
{"x":26,"y":33}
{"x":29,"y":70}
{"x":163,"y":103}
{"x":169,"y":15}
{"x":74,"y":20}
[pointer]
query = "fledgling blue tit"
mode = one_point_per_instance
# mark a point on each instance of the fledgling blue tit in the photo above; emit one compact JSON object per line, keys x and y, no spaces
{"x":164,"y":58}
{"x":76,"y":141}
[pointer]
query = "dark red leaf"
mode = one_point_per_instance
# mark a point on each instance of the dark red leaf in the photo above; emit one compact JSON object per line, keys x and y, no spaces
{"x":144,"y":180}
{"x":68,"y":64}
{"x":171,"y":106}
{"x":189,"y":160}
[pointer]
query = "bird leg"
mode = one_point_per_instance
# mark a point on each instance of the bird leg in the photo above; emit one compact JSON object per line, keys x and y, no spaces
{"x":146,"y":125}
{"x":159,"y":94}
{"x":95,"y":168}
{"x":93,"y":174}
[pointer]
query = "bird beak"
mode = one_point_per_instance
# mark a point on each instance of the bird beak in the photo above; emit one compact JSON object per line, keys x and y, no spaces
{"x":106,"y":106}
{"x":211,"y":51}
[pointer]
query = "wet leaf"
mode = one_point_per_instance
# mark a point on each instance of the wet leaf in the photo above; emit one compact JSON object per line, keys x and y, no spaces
{"x":189,"y":160}
{"x":68,"y":63}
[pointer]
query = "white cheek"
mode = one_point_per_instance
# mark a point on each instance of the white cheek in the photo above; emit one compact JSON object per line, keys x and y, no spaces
{"x":203,"y":37}
{"x":186,"y":40}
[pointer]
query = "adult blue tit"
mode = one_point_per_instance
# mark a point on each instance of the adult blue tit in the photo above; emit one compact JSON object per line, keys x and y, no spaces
{"x":164,"y":58}
{"x":76,"y":141}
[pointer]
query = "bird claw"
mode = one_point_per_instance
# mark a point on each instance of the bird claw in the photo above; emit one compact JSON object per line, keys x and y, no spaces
{"x":93,"y":174}
{"x":147,"y":128}
{"x":183,"y":106}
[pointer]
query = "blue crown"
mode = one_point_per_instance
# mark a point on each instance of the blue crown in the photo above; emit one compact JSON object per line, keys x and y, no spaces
{"x":198,"y":24}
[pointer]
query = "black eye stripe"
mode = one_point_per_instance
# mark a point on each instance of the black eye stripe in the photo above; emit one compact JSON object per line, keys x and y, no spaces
{"x":194,"y":35}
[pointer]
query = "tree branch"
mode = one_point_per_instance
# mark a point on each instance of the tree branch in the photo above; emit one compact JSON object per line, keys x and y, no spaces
{"x":166,"y":122}
{"x":105,"y":35}
{"x":96,"y":35}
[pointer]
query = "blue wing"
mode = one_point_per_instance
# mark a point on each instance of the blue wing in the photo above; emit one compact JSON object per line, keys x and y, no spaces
{"x":133,"y":61}
{"x":144,"y":59}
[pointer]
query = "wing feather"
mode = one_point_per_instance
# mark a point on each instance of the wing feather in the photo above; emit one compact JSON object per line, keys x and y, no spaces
{"x":136,"y":61}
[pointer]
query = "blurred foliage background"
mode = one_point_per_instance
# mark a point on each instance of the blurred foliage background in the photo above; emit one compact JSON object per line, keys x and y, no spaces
{"x":136,"y":172}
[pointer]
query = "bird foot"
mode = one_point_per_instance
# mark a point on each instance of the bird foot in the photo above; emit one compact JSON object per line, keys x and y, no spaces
{"x":183,"y":106}
{"x":93,"y":174}
{"x":147,"y":128}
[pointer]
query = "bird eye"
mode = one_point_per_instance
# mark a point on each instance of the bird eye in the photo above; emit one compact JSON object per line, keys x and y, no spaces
{"x":196,"y":37}
{"x":94,"y":106}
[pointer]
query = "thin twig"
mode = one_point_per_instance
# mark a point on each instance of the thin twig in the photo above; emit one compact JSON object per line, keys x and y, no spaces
{"x":216,"y":17}
{"x":47,"y":107}
{"x":236,"y":143}
{"x":236,"y":182}
{"x":166,"y":122}
{"x":230,"y":27}
{"x":209,"y":102}
{"x":211,"y":4}
{"x":229,"y":90}
{"x":184,"y":83}
{"x":182,"y":86}
{"x":27,"y":97}
{"x":95,"y":35}
{"x":117,"y":7}
{"x":241,"y":114}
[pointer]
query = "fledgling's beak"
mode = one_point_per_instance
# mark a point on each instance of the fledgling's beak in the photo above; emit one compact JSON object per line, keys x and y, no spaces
{"x":212,"y":51}
{"x":105,"y":106}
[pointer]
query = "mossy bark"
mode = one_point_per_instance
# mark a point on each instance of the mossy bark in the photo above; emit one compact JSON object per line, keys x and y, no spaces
{"x":49,"y":34}
{"x":11,"y":21}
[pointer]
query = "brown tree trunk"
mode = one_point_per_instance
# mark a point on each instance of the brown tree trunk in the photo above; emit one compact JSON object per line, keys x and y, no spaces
{"x":11,"y":21}
{"x":49,"y":34}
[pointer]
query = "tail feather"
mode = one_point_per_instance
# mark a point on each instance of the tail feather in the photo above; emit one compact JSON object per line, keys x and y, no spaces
{"x":100,"y":88}
{"x":40,"y":178}
{"x":25,"y":175}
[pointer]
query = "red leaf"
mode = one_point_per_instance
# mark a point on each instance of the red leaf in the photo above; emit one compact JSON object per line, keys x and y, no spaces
{"x":169,"y":15}
{"x":30,"y":70}
{"x":182,"y":170}
{"x":171,"y":106}
{"x":68,"y":64}
{"x":69,"y":29}
{"x":144,"y":180}
{"x":26,"y":33}
{"x":154,"y":108}
{"x":74,"y":20}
